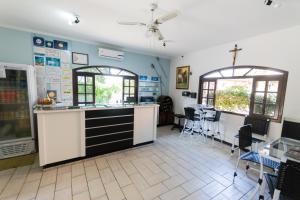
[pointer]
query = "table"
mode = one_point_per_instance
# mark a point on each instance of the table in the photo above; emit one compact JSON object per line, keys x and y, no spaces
{"x":275,"y":151}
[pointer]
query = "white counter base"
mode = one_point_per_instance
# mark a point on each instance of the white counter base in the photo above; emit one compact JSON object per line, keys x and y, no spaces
{"x":62,"y":135}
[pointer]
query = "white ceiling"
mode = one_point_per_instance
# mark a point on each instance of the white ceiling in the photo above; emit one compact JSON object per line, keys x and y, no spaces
{"x":201,"y":23}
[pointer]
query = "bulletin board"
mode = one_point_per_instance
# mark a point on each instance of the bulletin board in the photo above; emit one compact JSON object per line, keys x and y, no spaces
{"x":51,"y":60}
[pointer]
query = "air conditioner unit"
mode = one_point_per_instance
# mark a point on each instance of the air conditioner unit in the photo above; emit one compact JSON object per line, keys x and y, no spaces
{"x":107,"y":53}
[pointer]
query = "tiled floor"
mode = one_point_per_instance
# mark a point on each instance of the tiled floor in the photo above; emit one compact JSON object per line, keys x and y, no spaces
{"x":172,"y":168}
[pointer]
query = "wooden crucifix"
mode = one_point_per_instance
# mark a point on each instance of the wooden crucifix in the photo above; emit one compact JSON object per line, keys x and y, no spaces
{"x":235,"y":52}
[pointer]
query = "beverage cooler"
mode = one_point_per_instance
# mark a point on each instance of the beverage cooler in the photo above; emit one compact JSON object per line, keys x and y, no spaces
{"x":17,"y":97}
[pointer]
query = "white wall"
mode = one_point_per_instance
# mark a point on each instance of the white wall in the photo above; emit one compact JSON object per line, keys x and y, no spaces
{"x":280,"y":49}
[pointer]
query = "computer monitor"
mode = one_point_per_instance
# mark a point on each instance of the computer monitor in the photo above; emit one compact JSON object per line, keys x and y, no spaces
{"x":291,"y":129}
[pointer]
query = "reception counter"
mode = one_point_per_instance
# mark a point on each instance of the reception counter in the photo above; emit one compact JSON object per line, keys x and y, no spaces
{"x":79,"y":132}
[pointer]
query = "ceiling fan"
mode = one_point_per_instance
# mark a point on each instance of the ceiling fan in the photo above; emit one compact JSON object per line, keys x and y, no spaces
{"x":153,"y":25}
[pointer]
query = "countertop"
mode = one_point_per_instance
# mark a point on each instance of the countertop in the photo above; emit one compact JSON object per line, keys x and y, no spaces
{"x":57,"y":108}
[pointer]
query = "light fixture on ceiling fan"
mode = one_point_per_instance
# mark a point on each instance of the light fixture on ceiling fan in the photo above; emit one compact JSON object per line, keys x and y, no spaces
{"x":152,"y":28}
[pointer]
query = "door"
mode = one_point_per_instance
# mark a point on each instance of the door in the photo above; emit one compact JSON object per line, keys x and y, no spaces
{"x":15,"y":112}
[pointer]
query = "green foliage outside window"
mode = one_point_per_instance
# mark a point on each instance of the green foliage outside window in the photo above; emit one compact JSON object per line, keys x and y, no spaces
{"x":233,"y":99}
{"x":103,"y":91}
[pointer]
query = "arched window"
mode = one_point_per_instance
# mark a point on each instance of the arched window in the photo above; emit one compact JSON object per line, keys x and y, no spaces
{"x":245,"y":90}
{"x":104,"y":85}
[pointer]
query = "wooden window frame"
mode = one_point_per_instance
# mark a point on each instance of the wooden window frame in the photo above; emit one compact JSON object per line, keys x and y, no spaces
{"x":75,"y":88}
{"x":78,"y":72}
{"x":280,"y":94}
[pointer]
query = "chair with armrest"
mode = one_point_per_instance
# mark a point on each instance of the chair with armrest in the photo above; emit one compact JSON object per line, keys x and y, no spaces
{"x":245,"y":145}
{"x":260,"y":126}
{"x":286,"y":184}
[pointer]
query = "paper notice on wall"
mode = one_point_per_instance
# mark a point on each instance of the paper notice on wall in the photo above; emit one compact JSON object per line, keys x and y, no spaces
{"x":53,"y":71}
{"x":66,"y":75}
{"x":41,"y":82}
{"x":65,"y":57}
{"x":54,"y":53}
{"x":67,"y":92}
{"x":39,"y":50}
{"x":53,"y":79}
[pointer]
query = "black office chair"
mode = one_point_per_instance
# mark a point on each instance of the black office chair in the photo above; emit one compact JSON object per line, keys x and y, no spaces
{"x":245,"y":142}
{"x":260,"y":126}
{"x":190,"y":122}
{"x":214,"y":119}
{"x":287,"y":181}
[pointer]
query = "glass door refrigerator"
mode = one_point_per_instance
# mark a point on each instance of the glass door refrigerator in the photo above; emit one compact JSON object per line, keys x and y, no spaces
{"x":17,"y":97}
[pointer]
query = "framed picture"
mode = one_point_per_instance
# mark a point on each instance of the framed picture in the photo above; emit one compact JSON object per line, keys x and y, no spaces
{"x":80,"y":58}
{"x":182,"y":77}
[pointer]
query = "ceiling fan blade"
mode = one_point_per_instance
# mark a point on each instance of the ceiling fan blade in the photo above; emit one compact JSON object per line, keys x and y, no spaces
{"x":167,"y":17}
{"x":132,"y":23}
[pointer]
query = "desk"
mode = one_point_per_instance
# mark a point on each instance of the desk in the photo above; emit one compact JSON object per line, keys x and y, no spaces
{"x":275,"y":151}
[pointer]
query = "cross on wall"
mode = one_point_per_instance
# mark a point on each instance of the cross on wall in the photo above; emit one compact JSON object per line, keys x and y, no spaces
{"x":235,"y":52}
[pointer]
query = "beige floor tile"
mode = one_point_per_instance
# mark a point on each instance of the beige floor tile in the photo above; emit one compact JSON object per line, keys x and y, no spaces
{"x":174,"y":181}
{"x":34,"y":174}
{"x":114,"y":165}
{"x":82,"y":196}
{"x":12,"y":188}
{"x":101,"y":198}
{"x":168,"y":169}
{"x":139,"y":181}
{"x":4,"y":181}
{"x":128,"y":167}
{"x":46,"y":193}
{"x":157,"y":160}
{"x":193,"y":185}
{"x":113,"y":191}
{"x":29,"y":190}
{"x":64,"y":194}
{"x":157,"y":178}
{"x":96,"y":188}
{"x":132,"y":193}
{"x":154,"y":191}
{"x":49,"y":177}
{"x":89,"y":162}
{"x":107,"y":176}
{"x":101,"y":163}
{"x":122,"y":178}
{"x":198,"y":195}
{"x":79,"y":184}
{"x":77,"y":169}
{"x":64,"y":169}
{"x":64,"y":180}
{"x":213,"y":189}
{"x":14,"y":197}
{"x":92,"y":172}
{"x":174,"y":194}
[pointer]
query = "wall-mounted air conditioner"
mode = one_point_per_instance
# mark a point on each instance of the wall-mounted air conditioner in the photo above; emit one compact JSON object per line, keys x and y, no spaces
{"x":107,"y":53}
